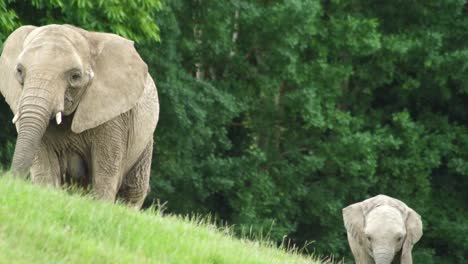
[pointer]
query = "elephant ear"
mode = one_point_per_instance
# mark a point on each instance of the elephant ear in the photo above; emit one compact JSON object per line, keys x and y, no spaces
{"x":413,"y":234}
{"x":10,"y":88}
{"x":119,"y":81}
{"x":353,"y":217}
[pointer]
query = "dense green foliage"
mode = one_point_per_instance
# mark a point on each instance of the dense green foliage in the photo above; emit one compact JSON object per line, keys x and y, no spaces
{"x":277,"y":114}
{"x":50,"y":226}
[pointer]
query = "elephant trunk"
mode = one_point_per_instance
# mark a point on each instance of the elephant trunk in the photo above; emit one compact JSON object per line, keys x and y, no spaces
{"x":33,"y":116}
{"x":383,"y":256}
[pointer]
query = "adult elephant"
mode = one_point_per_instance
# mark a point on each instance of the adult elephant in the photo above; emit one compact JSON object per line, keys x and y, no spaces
{"x":85,"y":109}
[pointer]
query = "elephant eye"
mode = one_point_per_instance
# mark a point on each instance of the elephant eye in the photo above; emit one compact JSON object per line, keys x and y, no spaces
{"x":75,"y":78}
{"x":369,"y":238}
{"x":20,"y":73}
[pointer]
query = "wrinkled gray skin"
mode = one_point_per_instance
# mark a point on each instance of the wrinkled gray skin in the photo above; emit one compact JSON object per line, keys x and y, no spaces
{"x":85,"y":110}
{"x":382,"y":230}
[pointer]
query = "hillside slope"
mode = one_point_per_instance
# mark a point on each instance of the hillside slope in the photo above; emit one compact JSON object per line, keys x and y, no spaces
{"x":40,"y":225}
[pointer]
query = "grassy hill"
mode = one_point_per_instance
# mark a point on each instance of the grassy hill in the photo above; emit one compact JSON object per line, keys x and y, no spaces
{"x":41,"y":225}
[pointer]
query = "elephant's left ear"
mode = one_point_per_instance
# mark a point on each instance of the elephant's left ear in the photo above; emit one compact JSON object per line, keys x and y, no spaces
{"x":13,"y":46}
{"x":119,"y":81}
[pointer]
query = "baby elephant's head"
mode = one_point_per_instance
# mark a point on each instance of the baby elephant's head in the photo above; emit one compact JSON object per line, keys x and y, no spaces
{"x":382,"y":229}
{"x":385,"y":231}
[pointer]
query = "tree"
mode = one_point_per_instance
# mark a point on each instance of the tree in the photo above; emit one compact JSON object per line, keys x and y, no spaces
{"x":317,"y":105}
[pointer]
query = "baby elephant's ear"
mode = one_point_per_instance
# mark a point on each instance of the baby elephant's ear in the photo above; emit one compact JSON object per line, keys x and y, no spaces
{"x":119,"y":81}
{"x":414,"y":232}
{"x":353,"y":218}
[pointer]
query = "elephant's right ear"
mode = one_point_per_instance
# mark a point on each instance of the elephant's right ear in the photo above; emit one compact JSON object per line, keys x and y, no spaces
{"x":414,"y":231}
{"x":353,"y":217}
{"x":9,"y":86}
{"x":120,"y":77}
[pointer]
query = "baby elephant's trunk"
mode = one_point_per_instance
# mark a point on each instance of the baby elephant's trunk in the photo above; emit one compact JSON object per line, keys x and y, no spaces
{"x":383,"y":256}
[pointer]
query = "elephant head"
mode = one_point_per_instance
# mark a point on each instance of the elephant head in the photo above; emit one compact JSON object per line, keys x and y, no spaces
{"x":381,"y":229}
{"x":60,"y":70}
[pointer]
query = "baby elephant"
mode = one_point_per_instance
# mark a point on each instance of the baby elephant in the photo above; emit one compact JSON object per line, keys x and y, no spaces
{"x":382,"y":229}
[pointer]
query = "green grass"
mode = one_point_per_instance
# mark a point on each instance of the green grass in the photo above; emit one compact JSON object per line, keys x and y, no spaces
{"x":42,"y":225}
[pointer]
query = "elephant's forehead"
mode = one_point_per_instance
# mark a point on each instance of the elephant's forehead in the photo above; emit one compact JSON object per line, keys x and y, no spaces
{"x":48,"y":51}
{"x":383,"y":217}
{"x":47,"y":48}
{"x":62,"y":36}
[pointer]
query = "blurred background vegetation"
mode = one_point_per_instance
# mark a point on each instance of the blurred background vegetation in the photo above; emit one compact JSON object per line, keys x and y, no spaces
{"x":277,"y":114}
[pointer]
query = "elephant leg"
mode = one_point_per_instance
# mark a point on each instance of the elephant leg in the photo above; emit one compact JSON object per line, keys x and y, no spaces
{"x":135,"y":185}
{"x":107,"y":163}
{"x":46,"y":169}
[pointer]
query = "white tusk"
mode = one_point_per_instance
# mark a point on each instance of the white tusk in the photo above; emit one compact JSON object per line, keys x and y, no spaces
{"x":58,"y":118}
{"x":15,"y":118}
